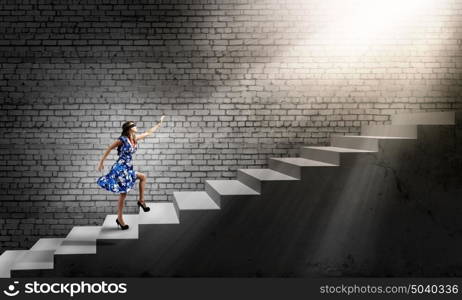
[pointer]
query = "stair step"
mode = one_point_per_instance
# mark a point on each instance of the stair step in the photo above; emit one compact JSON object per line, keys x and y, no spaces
{"x":80,"y":240}
{"x":395,"y":131}
{"x":194,"y":200}
{"x":231,"y":187}
{"x":303,"y":162}
{"x":111,"y":231}
{"x":47,"y":244}
{"x":160,"y":213}
{"x":425,"y":118}
{"x":362,"y":142}
{"x":292,"y":166}
{"x":219,"y":190}
{"x":328,"y":154}
{"x":254,"y":177}
{"x":8,"y":259}
{"x":32,"y":260}
{"x":267,"y":174}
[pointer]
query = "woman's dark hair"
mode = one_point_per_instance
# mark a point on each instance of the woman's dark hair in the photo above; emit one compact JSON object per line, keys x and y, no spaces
{"x":126,"y":130}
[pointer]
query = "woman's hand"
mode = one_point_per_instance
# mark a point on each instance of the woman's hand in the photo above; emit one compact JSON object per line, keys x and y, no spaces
{"x":100,"y":166}
{"x":152,"y":129}
{"x":159,"y":123}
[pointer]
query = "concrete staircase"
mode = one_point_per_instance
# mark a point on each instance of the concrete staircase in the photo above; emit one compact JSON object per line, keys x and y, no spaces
{"x":84,"y":241}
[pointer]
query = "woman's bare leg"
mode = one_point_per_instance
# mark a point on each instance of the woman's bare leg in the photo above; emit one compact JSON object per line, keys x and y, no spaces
{"x":121,"y":207}
{"x":143,"y":180}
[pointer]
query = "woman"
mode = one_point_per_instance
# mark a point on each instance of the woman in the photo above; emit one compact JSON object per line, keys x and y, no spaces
{"x":121,"y":178}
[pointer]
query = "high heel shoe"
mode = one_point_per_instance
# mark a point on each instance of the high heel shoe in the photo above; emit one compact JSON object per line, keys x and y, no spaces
{"x":123,"y":227}
{"x":145,"y":208}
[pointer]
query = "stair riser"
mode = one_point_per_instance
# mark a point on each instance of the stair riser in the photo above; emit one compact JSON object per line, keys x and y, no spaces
{"x":435,"y":118}
{"x":285,"y":168}
{"x":250,"y":181}
{"x":77,"y":248}
{"x":409,"y":131}
{"x":177,"y":209}
{"x":320,"y":155}
{"x":355,"y":143}
{"x":213,"y":194}
{"x":221,"y":200}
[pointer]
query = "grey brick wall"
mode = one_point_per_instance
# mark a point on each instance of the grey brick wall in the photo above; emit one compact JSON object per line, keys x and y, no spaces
{"x":239,"y":80}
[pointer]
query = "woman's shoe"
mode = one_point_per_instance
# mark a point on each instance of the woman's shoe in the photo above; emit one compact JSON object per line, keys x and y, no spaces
{"x":121,"y":226}
{"x":145,"y":208}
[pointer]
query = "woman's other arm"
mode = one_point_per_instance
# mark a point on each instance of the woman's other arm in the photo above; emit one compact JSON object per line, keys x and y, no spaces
{"x":106,"y":153}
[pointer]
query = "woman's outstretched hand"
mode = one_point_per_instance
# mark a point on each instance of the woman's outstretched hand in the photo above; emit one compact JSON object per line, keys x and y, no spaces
{"x":100,"y":167}
{"x":151,"y":130}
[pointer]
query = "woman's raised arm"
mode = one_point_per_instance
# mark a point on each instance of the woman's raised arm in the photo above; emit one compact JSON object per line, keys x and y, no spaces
{"x":150,"y":130}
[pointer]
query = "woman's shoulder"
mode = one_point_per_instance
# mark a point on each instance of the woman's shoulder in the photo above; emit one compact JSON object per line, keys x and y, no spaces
{"x":123,"y":139}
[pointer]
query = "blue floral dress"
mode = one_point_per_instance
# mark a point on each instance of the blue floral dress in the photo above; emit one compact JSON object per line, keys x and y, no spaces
{"x":121,"y":178}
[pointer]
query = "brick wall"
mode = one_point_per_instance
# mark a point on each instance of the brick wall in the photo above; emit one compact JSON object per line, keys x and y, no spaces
{"x":239,"y":80}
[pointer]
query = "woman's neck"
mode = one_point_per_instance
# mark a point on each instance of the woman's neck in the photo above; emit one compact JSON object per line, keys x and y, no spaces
{"x":131,"y":141}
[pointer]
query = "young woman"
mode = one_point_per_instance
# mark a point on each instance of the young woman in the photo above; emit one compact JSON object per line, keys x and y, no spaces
{"x":122,"y":177}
